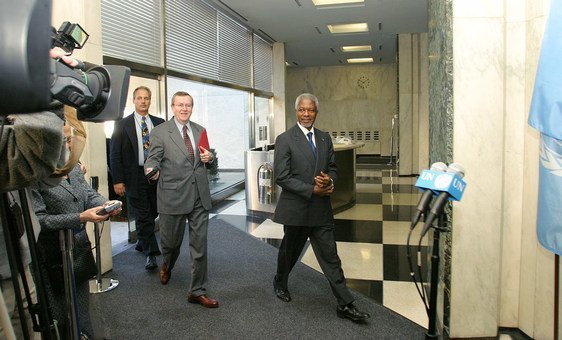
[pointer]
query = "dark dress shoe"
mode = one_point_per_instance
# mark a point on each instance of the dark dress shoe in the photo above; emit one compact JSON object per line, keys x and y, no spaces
{"x":138,"y":247}
{"x":203,"y":300}
{"x":283,"y":294}
{"x":151,"y":262}
{"x":349,"y":311}
{"x":164,"y":274}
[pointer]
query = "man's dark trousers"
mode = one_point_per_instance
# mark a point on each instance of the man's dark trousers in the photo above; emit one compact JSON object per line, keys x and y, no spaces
{"x":143,"y":203}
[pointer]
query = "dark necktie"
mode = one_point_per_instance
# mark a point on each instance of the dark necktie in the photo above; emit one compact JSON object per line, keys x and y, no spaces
{"x":312,"y":147}
{"x":188,"y":144}
{"x":145,"y":135}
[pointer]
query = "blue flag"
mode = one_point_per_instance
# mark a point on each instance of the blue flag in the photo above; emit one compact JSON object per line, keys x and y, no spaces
{"x":549,"y":211}
{"x":546,"y":116}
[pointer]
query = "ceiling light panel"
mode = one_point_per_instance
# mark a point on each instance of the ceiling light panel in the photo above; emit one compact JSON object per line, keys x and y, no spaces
{"x":359,"y":60}
{"x":348,"y":28}
{"x":336,"y":2}
{"x":357,"y":48}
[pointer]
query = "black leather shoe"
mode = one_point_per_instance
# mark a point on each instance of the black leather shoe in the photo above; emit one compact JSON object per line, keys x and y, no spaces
{"x":151,"y":262}
{"x":138,"y":247}
{"x":350,"y":312}
{"x":283,"y":294}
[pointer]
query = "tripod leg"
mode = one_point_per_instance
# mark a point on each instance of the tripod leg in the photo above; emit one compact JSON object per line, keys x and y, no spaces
{"x":5,"y":320}
{"x":41,"y":309}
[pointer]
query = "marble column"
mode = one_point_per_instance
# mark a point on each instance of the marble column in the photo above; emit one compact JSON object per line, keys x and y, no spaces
{"x":413,"y":115}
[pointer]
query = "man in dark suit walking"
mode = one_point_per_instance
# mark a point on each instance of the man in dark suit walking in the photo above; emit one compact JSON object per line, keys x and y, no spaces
{"x":128,"y":151}
{"x":305,"y":168}
{"x":183,"y":193}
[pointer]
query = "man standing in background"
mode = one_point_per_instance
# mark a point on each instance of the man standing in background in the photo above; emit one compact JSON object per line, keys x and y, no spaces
{"x":128,"y":151}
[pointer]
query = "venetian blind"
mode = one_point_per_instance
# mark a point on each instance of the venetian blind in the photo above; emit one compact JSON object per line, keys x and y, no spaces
{"x":263,"y":61}
{"x":235,"y":52}
{"x":191,"y":38}
{"x":132,"y":31}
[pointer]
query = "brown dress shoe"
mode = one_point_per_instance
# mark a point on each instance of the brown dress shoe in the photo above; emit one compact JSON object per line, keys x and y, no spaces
{"x":164,"y":274}
{"x":203,"y":300}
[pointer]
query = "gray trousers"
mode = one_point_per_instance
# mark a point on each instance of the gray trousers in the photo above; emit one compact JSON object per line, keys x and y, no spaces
{"x":172,"y":229}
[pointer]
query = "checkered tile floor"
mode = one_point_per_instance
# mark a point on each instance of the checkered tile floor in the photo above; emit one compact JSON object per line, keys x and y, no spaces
{"x":371,"y":238}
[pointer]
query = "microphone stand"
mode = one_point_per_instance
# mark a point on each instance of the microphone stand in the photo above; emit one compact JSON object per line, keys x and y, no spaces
{"x":99,"y":284}
{"x":434,"y":279}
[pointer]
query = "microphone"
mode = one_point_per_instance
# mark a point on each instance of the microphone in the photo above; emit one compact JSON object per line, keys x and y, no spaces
{"x":451,"y":187}
{"x":427,"y":195}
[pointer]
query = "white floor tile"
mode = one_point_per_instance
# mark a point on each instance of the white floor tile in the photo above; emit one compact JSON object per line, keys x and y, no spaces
{"x":394,"y":232}
{"x":400,"y":199}
{"x":359,"y":260}
{"x":238,"y":208}
{"x":368,"y":188}
{"x":403,"y":298}
{"x":269,"y":229}
{"x":362,"y":212}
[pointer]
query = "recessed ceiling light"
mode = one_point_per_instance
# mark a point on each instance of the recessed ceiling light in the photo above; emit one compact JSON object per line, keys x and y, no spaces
{"x":336,"y":2}
{"x":349,"y":28}
{"x":359,"y":60}
{"x":356,"y":48}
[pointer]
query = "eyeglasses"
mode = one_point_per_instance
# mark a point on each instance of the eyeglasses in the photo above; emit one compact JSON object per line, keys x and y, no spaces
{"x":181,"y":106}
{"x":303,"y":110}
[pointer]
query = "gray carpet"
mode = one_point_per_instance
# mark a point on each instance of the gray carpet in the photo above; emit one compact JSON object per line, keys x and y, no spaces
{"x":241,"y":270}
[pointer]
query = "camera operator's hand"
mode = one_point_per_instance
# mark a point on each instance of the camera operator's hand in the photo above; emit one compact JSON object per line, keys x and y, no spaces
{"x":119,"y":189}
{"x":91,"y":215}
{"x":59,"y":53}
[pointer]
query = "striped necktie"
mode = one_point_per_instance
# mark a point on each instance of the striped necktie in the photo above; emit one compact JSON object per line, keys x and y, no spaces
{"x":145,"y":136}
{"x":188,"y":144}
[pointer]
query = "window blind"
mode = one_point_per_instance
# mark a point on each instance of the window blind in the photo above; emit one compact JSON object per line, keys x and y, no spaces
{"x":132,"y":31}
{"x":263,"y":61}
{"x":191,"y":38}
{"x":235,"y":52}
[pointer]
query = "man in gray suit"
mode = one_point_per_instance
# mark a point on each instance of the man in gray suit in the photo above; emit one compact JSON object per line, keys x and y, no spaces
{"x":305,"y":168}
{"x":182,"y":192}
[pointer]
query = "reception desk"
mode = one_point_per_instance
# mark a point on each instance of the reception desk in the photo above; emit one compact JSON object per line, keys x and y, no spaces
{"x":261,"y":198}
{"x":344,"y":193}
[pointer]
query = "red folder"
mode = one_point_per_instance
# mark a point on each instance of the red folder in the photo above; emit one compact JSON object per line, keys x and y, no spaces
{"x":204,"y":141}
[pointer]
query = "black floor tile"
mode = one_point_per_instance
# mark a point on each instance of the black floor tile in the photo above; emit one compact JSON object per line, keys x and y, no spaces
{"x":400,"y":188}
{"x":395,"y":262}
{"x":368,"y":198}
{"x":358,"y":231}
{"x":222,"y":205}
{"x":398,"y":212}
{"x":368,"y":180}
{"x":372,"y":289}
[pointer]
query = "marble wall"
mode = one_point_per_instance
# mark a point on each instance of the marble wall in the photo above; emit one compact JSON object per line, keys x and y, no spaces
{"x":496,"y":274}
{"x":352,"y":98}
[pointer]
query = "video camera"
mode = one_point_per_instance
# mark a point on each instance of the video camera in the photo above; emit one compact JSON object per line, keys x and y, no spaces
{"x":32,"y":80}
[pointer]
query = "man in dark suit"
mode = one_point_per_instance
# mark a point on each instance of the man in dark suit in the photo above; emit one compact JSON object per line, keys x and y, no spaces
{"x":305,"y":168}
{"x":183,"y":193}
{"x":128,"y":150}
